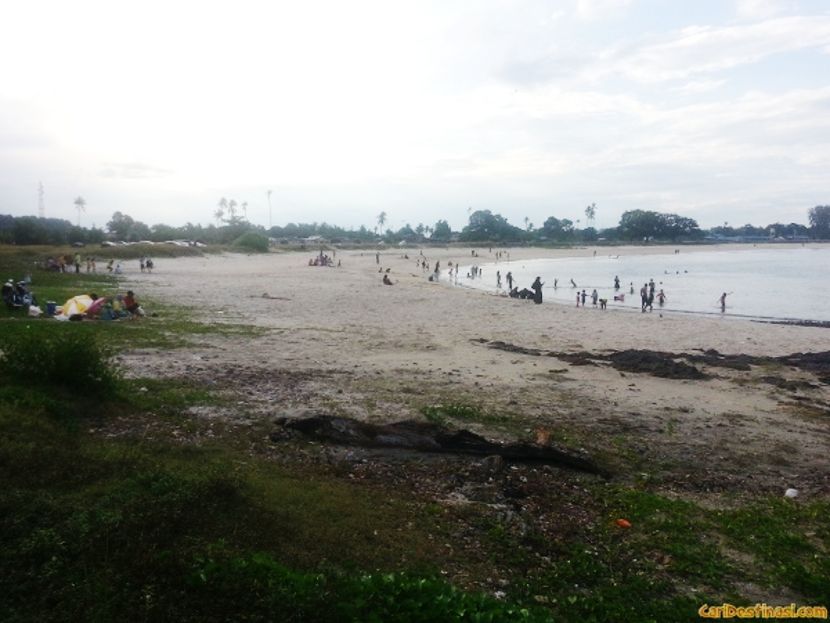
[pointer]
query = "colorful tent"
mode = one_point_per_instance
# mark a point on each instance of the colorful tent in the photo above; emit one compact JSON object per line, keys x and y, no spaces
{"x":76,"y":305}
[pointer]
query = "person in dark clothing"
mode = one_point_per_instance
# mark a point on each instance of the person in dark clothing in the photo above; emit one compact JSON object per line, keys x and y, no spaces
{"x":509,"y":279}
{"x":537,"y":290}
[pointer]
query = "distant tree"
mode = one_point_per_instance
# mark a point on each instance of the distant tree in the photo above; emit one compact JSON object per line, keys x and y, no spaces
{"x":221,"y":207}
{"x":441,"y":232}
{"x":590,"y":214}
{"x":820,"y":221}
{"x":556,"y":229}
{"x":95,"y":235}
{"x":119,"y":225}
{"x":485,"y":226}
{"x":80,"y":205}
{"x":160,"y":232}
{"x":639,"y":225}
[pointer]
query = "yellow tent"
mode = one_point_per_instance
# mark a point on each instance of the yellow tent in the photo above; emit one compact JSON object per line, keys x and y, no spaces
{"x":76,"y":305}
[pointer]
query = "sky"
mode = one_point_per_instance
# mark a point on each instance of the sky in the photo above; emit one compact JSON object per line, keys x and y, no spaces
{"x":717,"y":110}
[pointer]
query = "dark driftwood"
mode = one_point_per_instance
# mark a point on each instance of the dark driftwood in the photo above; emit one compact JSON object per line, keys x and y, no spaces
{"x":432,"y":438}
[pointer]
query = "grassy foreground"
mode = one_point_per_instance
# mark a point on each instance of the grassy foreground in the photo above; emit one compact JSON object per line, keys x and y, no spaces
{"x":101,"y":523}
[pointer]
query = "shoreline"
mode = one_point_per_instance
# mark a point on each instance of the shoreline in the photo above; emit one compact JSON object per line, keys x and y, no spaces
{"x":523,"y":255}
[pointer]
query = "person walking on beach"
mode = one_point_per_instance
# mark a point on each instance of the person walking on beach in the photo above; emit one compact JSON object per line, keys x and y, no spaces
{"x":594,"y":297}
{"x":650,"y":300}
{"x":509,"y":279}
{"x":537,"y":290}
{"x":617,"y":282}
{"x":498,"y":279}
{"x":643,"y":297}
{"x":584,"y":296}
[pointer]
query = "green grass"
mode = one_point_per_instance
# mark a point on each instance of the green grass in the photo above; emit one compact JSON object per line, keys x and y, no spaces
{"x":101,"y":530}
{"x":444,"y":414}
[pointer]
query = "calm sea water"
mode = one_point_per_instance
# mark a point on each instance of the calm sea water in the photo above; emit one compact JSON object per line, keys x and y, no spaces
{"x":761,"y":283}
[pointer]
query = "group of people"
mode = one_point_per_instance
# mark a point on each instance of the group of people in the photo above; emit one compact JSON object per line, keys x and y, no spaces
{"x":323,"y":259}
{"x":647,"y":296}
{"x":535,"y":291}
{"x":146,"y":264}
{"x":17,"y":295}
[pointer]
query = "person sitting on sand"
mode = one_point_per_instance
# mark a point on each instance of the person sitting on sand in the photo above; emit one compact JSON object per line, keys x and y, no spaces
{"x":131,"y":304}
{"x":386,"y":280}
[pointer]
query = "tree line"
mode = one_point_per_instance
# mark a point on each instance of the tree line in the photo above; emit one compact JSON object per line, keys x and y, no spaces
{"x":482,"y":226}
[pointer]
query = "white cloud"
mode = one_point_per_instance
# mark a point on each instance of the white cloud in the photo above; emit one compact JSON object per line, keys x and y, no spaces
{"x":598,"y":9}
{"x":760,"y":9}
{"x":701,"y":50}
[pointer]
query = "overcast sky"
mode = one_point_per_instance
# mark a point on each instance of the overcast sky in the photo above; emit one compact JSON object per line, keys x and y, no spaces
{"x":718,"y":110}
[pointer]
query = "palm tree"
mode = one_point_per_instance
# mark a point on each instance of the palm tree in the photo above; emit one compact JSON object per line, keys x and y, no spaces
{"x":270,"y":224}
{"x":527,"y":220}
{"x":220,"y":210}
{"x":232,"y":211}
{"x":80,"y":205}
{"x":381,"y":221}
{"x":590,"y":213}
{"x":245,"y":210}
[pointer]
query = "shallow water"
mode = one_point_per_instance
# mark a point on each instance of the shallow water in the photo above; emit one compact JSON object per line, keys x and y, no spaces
{"x":760,"y":283}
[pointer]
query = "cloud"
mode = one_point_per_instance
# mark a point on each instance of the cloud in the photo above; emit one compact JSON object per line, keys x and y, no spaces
{"x":699,"y":86}
{"x":133,"y":171}
{"x":598,"y":9}
{"x":760,"y":9}
{"x":700,"y":50}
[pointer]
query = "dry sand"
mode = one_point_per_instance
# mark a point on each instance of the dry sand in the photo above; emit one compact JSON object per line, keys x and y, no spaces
{"x":336,"y":340}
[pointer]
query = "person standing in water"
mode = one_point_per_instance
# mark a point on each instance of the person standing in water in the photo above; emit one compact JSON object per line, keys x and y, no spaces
{"x":722,"y":301}
{"x":498,"y":279}
{"x":537,"y":290}
{"x":509,"y":279}
{"x":617,"y":282}
{"x":661,"y":297}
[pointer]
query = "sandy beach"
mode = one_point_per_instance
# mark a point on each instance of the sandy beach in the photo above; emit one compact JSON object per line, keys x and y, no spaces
{"x":337,"y":341}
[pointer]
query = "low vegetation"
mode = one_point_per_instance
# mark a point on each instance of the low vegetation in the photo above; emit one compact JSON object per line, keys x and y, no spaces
{"x":102,"y":520}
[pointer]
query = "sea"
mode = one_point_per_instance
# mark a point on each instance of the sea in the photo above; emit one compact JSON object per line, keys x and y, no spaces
{"x":763,"y":284}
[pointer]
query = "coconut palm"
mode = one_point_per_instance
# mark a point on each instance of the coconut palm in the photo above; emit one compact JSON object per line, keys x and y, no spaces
{"x":80,"y":205}
{"x":381,"y":221}
{"x":590,"y":213}
{"x":220,"y":210}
